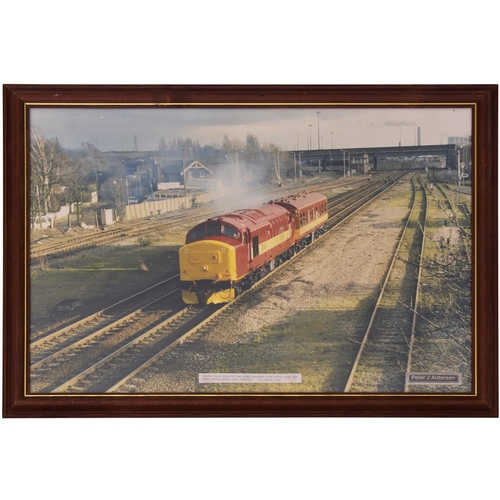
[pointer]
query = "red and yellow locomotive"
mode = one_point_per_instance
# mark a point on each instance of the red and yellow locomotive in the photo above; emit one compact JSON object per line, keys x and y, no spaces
{"x":225,"y":255}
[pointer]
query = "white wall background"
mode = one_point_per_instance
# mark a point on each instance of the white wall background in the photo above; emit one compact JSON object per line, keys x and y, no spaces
{"x":383,"y":42}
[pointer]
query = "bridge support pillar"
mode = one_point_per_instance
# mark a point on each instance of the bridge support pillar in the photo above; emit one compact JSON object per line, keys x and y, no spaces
{"x":451,"y":160}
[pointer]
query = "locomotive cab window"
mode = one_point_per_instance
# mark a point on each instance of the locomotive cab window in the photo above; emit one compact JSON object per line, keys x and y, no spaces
{"x":231,"y":232}
{"x":214,"y":228}
{"x":219,"y":229}
{"x":197,"y":233}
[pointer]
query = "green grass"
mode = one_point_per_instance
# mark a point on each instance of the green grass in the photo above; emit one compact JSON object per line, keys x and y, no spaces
{"x":396,"y":198}
{"x":99,"y":277}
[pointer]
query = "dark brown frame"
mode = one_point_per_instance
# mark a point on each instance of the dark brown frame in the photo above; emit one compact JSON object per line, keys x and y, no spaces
{"x":484,"y":403}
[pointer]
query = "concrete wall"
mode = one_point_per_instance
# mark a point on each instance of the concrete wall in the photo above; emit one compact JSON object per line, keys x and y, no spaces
{"x":148,"y":208}
{"x":168,"y":185}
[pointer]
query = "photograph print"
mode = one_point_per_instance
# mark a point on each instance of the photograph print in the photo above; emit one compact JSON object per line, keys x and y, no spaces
{"x":250,"y":250}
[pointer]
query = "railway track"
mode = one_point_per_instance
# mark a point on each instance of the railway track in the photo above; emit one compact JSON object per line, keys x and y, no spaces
{"x":341,"y":209}
{"x":111,"y":371}
{"x":384,"y":353}
{"x":340,"y":200}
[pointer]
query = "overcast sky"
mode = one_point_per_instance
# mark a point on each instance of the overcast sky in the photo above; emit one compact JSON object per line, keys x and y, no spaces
{"x":289,"y":128}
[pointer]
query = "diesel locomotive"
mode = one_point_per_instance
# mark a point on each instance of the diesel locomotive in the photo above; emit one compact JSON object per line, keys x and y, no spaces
{"x":226,"y":255}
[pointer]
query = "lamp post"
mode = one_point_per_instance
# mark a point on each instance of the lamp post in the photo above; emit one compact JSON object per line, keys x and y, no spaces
{"x":310,"y":139}
{"x":184,"y":173}
{"x":343,"y":151}
{"x":97,"y":185}
{"x":319,"y":143}
{"x":294,"y":168}
{"x":279,"y":173}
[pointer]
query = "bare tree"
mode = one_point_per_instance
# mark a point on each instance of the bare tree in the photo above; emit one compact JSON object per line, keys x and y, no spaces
{"x":260,"y":163}
{"x":76,"y":180}
{"x":118,"y":192}
{"x":282,"y":166}
{"x":48,"y":163}
{"x":162,"y":145}
{"x":229,"y":146}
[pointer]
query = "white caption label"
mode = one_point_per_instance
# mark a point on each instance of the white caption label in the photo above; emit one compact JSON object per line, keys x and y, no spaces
{"x":250,"y":378}
{"x":433,"y":378}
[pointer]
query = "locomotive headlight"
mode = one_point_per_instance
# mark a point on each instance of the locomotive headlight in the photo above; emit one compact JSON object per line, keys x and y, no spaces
{"x":204,"y":268}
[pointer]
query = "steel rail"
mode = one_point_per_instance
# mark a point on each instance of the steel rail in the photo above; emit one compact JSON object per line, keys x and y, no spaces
{"x":418,"y":289}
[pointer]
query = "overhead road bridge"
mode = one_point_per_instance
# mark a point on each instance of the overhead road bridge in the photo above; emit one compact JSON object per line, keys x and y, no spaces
{"x":330,"y":157}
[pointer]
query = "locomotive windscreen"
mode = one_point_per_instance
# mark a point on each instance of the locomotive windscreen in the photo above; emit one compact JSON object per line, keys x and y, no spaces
{"x":213,"y":228}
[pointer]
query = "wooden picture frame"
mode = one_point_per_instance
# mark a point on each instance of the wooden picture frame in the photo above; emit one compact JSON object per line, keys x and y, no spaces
{"x":481,"y":402}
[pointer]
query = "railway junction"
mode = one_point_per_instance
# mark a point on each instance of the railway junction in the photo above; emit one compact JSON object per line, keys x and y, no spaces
{"x":352,"y":313}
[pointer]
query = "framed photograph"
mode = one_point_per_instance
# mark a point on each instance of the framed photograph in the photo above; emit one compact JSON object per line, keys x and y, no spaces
{"x":250,"y":251}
